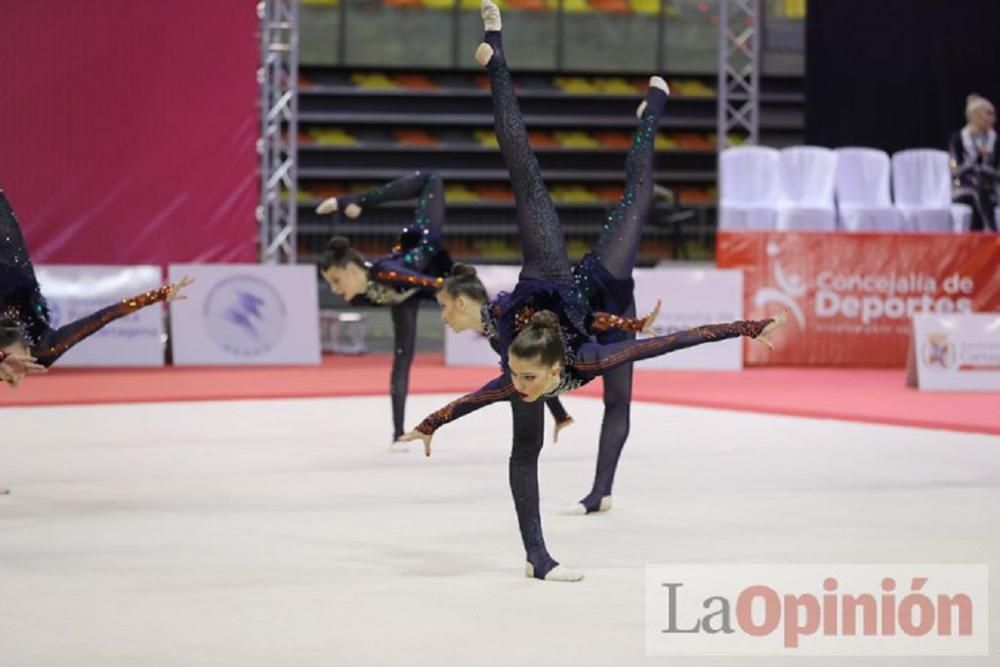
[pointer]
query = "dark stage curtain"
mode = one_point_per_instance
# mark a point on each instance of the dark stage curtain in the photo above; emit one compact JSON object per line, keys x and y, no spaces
{"x":894,"y":74}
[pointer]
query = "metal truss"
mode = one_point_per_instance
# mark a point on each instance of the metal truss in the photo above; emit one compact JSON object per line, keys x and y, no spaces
{"x":278,"y":78}
{"x":740,"y":33}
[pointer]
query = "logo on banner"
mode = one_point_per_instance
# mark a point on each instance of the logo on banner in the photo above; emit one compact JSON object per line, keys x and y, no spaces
{"x":245,"y":316}
{"x":790,"y":287}
{"x":938,"y":352}
{"x":846,"y":295}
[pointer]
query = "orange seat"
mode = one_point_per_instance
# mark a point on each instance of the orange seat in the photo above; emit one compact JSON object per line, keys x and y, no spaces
{"x":540,"y":139}
{"x":528,"y":5}
{"x":694,"y":141}
{"x":611,"y":6}
{"x":415,"y":81}
{"x":694,"y":196}
{"x":614,"y":139}
{"x":609,"y":193}
{"x":415,"y":138}
{"x":493,"y":192}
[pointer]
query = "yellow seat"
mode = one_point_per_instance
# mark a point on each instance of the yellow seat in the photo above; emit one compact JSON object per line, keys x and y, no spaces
{"x":577,"y":7}
{"x":475,"y":4}
{"x":575,"y":84}
{"x":573,"y":194}
{"x":614,"y":86}
{"x":645,"y":6}
{"x":795,"y":9}
{"x":333,"y":137}
{"x":576,"y":248}
{"x":701,"y":89}
{"x":691,"y":88}
{"x":573,"y":139}
{"x":665,"y":143}
{"x":496,"y":249}
{"x":373,"y":80}
{"x":301,"y":196}
{"x":486,"y":138}
{"x":456,"y":193}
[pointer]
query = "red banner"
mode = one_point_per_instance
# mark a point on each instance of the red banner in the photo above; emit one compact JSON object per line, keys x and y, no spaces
{"x":850,"y":296}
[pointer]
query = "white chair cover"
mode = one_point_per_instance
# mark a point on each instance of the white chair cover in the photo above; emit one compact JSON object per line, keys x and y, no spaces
{"x":863,"y":191}
{"x":748,"y":188}
{"x":807,"y":175}
{"x":961,"y":218}
{"x":921,"y":183}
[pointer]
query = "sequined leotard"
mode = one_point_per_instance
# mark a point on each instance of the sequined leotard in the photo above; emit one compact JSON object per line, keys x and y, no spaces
{"x":21,"y":299}
{"x":414,"y":269}
{"x":547,"y":275}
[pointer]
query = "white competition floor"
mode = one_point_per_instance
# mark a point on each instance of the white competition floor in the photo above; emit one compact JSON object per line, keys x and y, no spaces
{"x":284,"y":533}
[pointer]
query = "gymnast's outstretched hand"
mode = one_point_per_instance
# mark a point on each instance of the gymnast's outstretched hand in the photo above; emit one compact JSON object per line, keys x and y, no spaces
{"x":776,"y":323}
{"x":650,"y":320}
{"x":15,"y":365}
{"x":174,"y":293}
{"x":560,"y":426}
{"x":417,"y":435}
{"x":22,"y":364}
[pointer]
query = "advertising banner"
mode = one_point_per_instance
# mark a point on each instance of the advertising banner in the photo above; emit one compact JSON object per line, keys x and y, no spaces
{"x":246,"y":314}
{"x":74,"y":292}
{"x":955,"y":352}
{"x":851,"y":297}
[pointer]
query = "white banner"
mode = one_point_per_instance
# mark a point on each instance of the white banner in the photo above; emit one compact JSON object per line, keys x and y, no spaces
{"x":691,"y":297}
{"x":955,"y":352}
{"x":246,"y":314}
{"x":73,"y":292}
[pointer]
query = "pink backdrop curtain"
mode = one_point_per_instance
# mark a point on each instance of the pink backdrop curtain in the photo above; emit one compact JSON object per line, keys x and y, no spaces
{"x":127,"y":129}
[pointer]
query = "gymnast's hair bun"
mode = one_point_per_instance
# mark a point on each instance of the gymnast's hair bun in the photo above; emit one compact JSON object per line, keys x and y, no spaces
{"x":463,"y":270}
{"x":545,"y":319}
{"x":339,"y":243}
{"x":541,"y":340}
